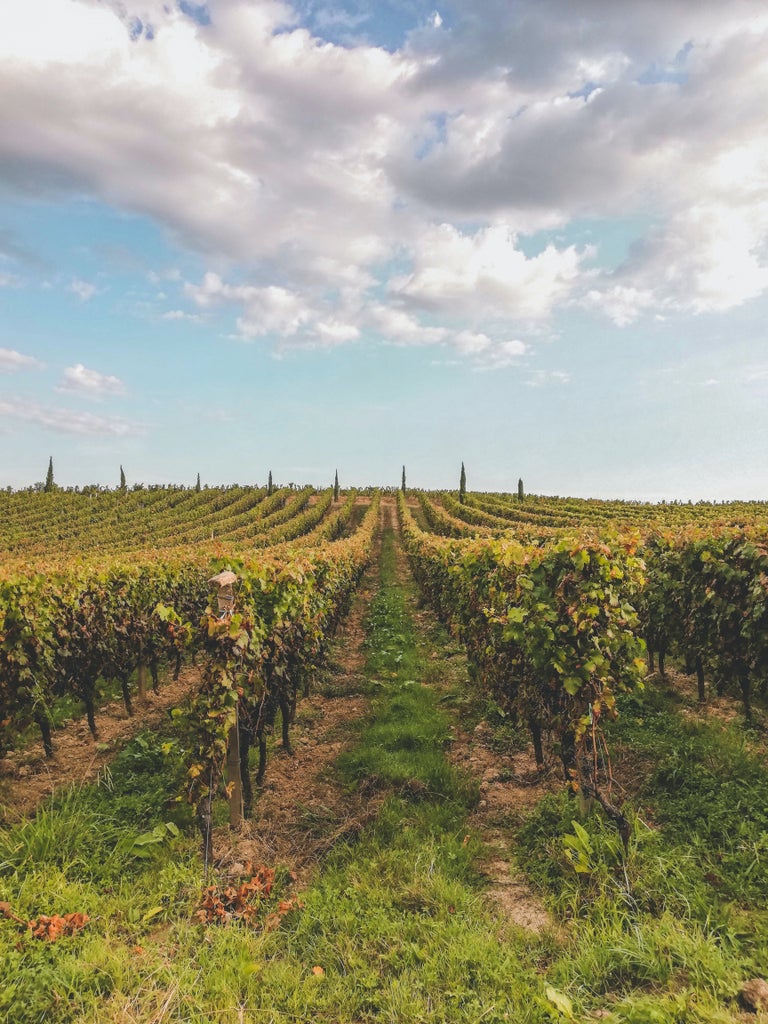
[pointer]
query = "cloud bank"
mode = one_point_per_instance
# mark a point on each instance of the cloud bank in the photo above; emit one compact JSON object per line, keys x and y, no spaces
{"x":342,"y":192}
{"x":64,"y":421}
{"x":11,"y":361}
{"x":80,"y":380}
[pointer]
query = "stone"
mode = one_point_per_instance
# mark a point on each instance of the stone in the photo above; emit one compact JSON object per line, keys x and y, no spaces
{"x":754,"y":994}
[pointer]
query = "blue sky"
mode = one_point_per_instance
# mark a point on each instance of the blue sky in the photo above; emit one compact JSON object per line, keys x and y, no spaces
{"x":246,"y":236}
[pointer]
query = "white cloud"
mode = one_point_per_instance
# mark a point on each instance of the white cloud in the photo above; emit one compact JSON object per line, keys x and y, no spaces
{"x":9,"y":281}
{"x":457,"y":274}
{"x":505,"y":353}
{"x":488,"y":355}
{"x":179,"y":314}
{"x":277,"y":312}
{"x":620,"y":303}
{"x":469,"y":343}
{"x":66,"y":421}
{"x":333,"y":332}
{"x":707,"y":259}
{"x":81,"y":380}
{"x":273,"y":310}
{"x":402,"y":328}
{"x":546,"y":378}
{"x":84,"y":290}
{"x":11,"y":361}
{"x":269,"y":310}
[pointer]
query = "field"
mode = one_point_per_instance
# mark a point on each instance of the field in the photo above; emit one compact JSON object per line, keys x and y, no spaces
{"x":451,"y":757}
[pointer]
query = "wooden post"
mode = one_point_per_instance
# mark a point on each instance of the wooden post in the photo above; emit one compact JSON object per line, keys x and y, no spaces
{"x":234,"y":782}
{"x":142,"y":681}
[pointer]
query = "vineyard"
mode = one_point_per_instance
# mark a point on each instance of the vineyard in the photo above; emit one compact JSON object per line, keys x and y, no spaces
{"x":563,"y":699}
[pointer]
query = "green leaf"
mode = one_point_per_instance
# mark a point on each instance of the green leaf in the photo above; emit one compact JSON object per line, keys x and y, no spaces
{"x":583,"y":835}
{"x":151,"y":914}
{"x":560,"y":1001}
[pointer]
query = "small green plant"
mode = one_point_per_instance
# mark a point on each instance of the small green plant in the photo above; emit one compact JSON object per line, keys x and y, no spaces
{"x":579,"y":850}
{"x":592,"y":856}
{"x":144,"y":845}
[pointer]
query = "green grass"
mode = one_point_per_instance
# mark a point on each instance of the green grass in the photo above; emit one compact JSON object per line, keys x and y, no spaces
{"x":94,"y":851}
{"x":669,"y":932}
{"x":707,"y":788}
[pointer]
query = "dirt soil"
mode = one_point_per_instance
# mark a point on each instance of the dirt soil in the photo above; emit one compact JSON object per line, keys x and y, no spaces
{"x":27,"y":777}
{"x":301,"y":812}
{"x":510,"y":788}
{"x":725,"y":708}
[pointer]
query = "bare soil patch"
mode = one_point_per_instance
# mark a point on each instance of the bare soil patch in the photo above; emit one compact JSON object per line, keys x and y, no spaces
{"x":301,"y":811}
{"x":725,"y":708}
{"x":27,"y":777}
{"x":510,"y":788}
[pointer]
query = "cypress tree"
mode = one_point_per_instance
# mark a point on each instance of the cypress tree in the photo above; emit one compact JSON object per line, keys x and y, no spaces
{"x":269,"y":485}
{"x":197,"y":484}
{"x":402,"y":485}
{"x":520,"y":492}
{"x":462,"y":484}
{"x":122,"y":479}
{"x":49,"y":484}
{"x":336,"y":486}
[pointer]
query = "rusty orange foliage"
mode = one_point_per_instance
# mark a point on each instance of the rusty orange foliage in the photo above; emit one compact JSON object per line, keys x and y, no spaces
{"x":247,"y":902}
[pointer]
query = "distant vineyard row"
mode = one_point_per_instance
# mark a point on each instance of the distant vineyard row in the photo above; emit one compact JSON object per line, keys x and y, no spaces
{"x":105,"y":588}
{"x":559,"y":603}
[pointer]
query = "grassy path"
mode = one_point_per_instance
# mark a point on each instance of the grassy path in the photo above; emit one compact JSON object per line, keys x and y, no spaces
{"x":396,"y":922}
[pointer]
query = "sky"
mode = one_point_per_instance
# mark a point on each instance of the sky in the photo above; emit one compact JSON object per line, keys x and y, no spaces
{"x":526,"y":235}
